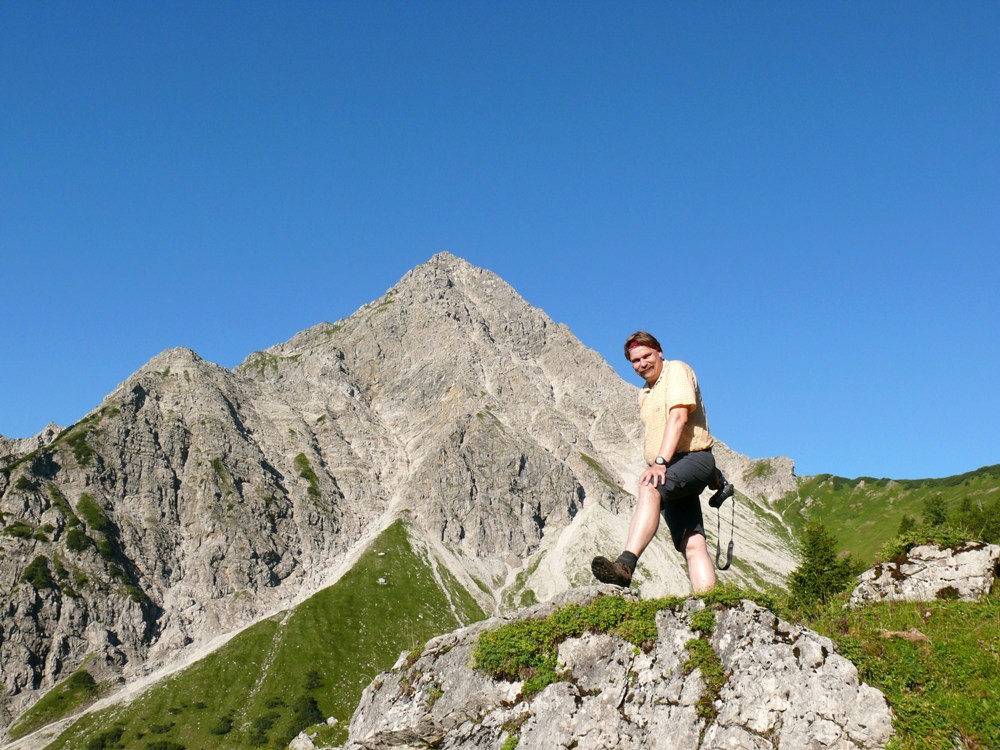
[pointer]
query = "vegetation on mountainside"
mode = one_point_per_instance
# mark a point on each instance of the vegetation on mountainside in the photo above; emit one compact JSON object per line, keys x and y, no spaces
{"x":822,"y":573}
{"x":528,"y":649}
{"x":73,"y":693}
{"x":297,"y":668}
{"x":936,"y":662}
{"x":865,"y":512}
{"x":260,"y":362}
{"x":307,"y":473}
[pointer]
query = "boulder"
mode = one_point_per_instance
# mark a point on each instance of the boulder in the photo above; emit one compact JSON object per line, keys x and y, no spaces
{"x":926,"y":573}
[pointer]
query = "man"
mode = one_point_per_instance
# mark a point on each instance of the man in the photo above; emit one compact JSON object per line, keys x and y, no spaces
{"x":677,"y":448}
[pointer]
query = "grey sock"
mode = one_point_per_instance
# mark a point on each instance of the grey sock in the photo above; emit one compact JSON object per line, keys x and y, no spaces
{"x":628,"y":560}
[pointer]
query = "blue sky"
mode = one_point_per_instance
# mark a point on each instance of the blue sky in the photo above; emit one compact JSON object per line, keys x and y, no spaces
{"x":802,"y":200}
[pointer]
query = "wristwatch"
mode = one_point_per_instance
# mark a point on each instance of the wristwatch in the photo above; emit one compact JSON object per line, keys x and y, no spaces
{"x":660,"y":460}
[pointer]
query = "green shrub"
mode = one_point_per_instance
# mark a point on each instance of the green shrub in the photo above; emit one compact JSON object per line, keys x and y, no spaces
{"x":314,"y":680}
{"x":307,"y":473}
{"x":109,"y":740}
{"x":59,"y":501}
{"x":20,"y":529}
{"x":222,"y":725}
{"x":703,"y":621}
{"x":702,"y":656}
{"x":980,"y":519}
{"x":218,"y":468}
{"x":77,"y":540}
{"x":822,"y":573}
{"x":24,"y":484}
{"x":259,"y":728}
{"x":38,"y":574}
{"x":42,"y":532}
{"x":306,"y":711}
{"x":945,"y":535}
{"x":106,"y":548}
{"x":93,"y":516}
{"x":935,"y":511}
{"x":82,"y":451}
{"x":906,"y":523}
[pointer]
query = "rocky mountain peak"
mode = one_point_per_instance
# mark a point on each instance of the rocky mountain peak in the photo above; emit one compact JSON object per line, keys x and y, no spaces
{"x":196,"y":499}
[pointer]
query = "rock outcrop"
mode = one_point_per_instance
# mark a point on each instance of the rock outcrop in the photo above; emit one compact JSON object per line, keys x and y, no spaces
{"x":11,"y":448}
{"x":927,"y":573}
{"x":782,"y":686}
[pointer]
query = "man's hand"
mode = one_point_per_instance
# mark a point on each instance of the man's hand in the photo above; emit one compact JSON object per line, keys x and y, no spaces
{"x":655,"y":475}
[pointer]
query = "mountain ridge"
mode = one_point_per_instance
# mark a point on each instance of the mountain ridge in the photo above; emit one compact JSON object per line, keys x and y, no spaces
{"x":196,"y":499}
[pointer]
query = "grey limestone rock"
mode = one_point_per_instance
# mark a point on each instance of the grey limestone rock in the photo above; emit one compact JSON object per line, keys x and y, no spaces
{"x":927,"y":573}
{"x":785,"y":687}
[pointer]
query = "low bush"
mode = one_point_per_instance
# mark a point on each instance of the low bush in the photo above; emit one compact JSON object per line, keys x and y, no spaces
{"x":38,"y":574}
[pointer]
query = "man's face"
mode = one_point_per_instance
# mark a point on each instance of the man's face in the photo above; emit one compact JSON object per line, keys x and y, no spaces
{"x":647,"y":362}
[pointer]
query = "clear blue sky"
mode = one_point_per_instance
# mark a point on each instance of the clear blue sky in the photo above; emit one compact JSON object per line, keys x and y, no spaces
{"x":800,"y":199}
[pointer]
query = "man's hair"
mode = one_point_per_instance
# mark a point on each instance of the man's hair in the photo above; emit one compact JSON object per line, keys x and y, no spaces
{"x":641,"y":338}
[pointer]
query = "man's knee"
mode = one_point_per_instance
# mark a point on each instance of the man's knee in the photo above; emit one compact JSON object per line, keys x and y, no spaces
{"x":649,"y":495}
{"x":694,"y":544}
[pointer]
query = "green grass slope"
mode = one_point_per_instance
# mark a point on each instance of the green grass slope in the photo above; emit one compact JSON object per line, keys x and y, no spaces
{"x":75,"y":692}
{"x":864,"y":513}
{"x":295,"y":669}
{"x":936,"y":662}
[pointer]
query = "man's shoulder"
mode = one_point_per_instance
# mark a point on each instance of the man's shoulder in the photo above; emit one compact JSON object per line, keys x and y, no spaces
{"x":677,"y":364}
{"x":675,"y":370}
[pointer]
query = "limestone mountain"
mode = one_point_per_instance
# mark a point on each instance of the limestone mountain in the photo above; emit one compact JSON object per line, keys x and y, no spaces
{"x":196,"y":500}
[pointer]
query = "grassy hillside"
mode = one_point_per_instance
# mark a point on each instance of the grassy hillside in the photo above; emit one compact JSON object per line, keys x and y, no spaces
{"x":864,"y":513}
{"x":295,"y":669}
{"x":936,"y":662}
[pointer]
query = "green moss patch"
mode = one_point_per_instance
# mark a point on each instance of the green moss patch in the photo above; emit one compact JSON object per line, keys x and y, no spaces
{"x":528,"y":649}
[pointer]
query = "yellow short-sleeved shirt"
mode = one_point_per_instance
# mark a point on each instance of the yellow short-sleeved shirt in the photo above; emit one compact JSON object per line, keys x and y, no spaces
{"x":676,"y":386}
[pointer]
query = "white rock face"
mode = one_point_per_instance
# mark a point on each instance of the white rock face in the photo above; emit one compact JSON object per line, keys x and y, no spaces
{"x":196,"y":499}
{"x":785,"y":687}
{"x":928,"y":573}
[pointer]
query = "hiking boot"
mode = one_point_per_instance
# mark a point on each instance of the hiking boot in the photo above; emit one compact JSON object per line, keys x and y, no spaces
{"x":606,"y":571}
{"x":724,"y":493}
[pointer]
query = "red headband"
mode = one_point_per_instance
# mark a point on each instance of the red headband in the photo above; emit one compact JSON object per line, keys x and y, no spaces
{"x":634,"y":344}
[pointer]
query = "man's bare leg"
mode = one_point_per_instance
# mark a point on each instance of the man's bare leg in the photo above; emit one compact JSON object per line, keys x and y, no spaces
{"x":701,"y":570}
{"x":641,"y":530}
{"x":645,"y":520}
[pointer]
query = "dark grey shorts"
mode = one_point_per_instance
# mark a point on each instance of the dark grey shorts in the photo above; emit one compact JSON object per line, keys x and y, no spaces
{"x":687,"y":477}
